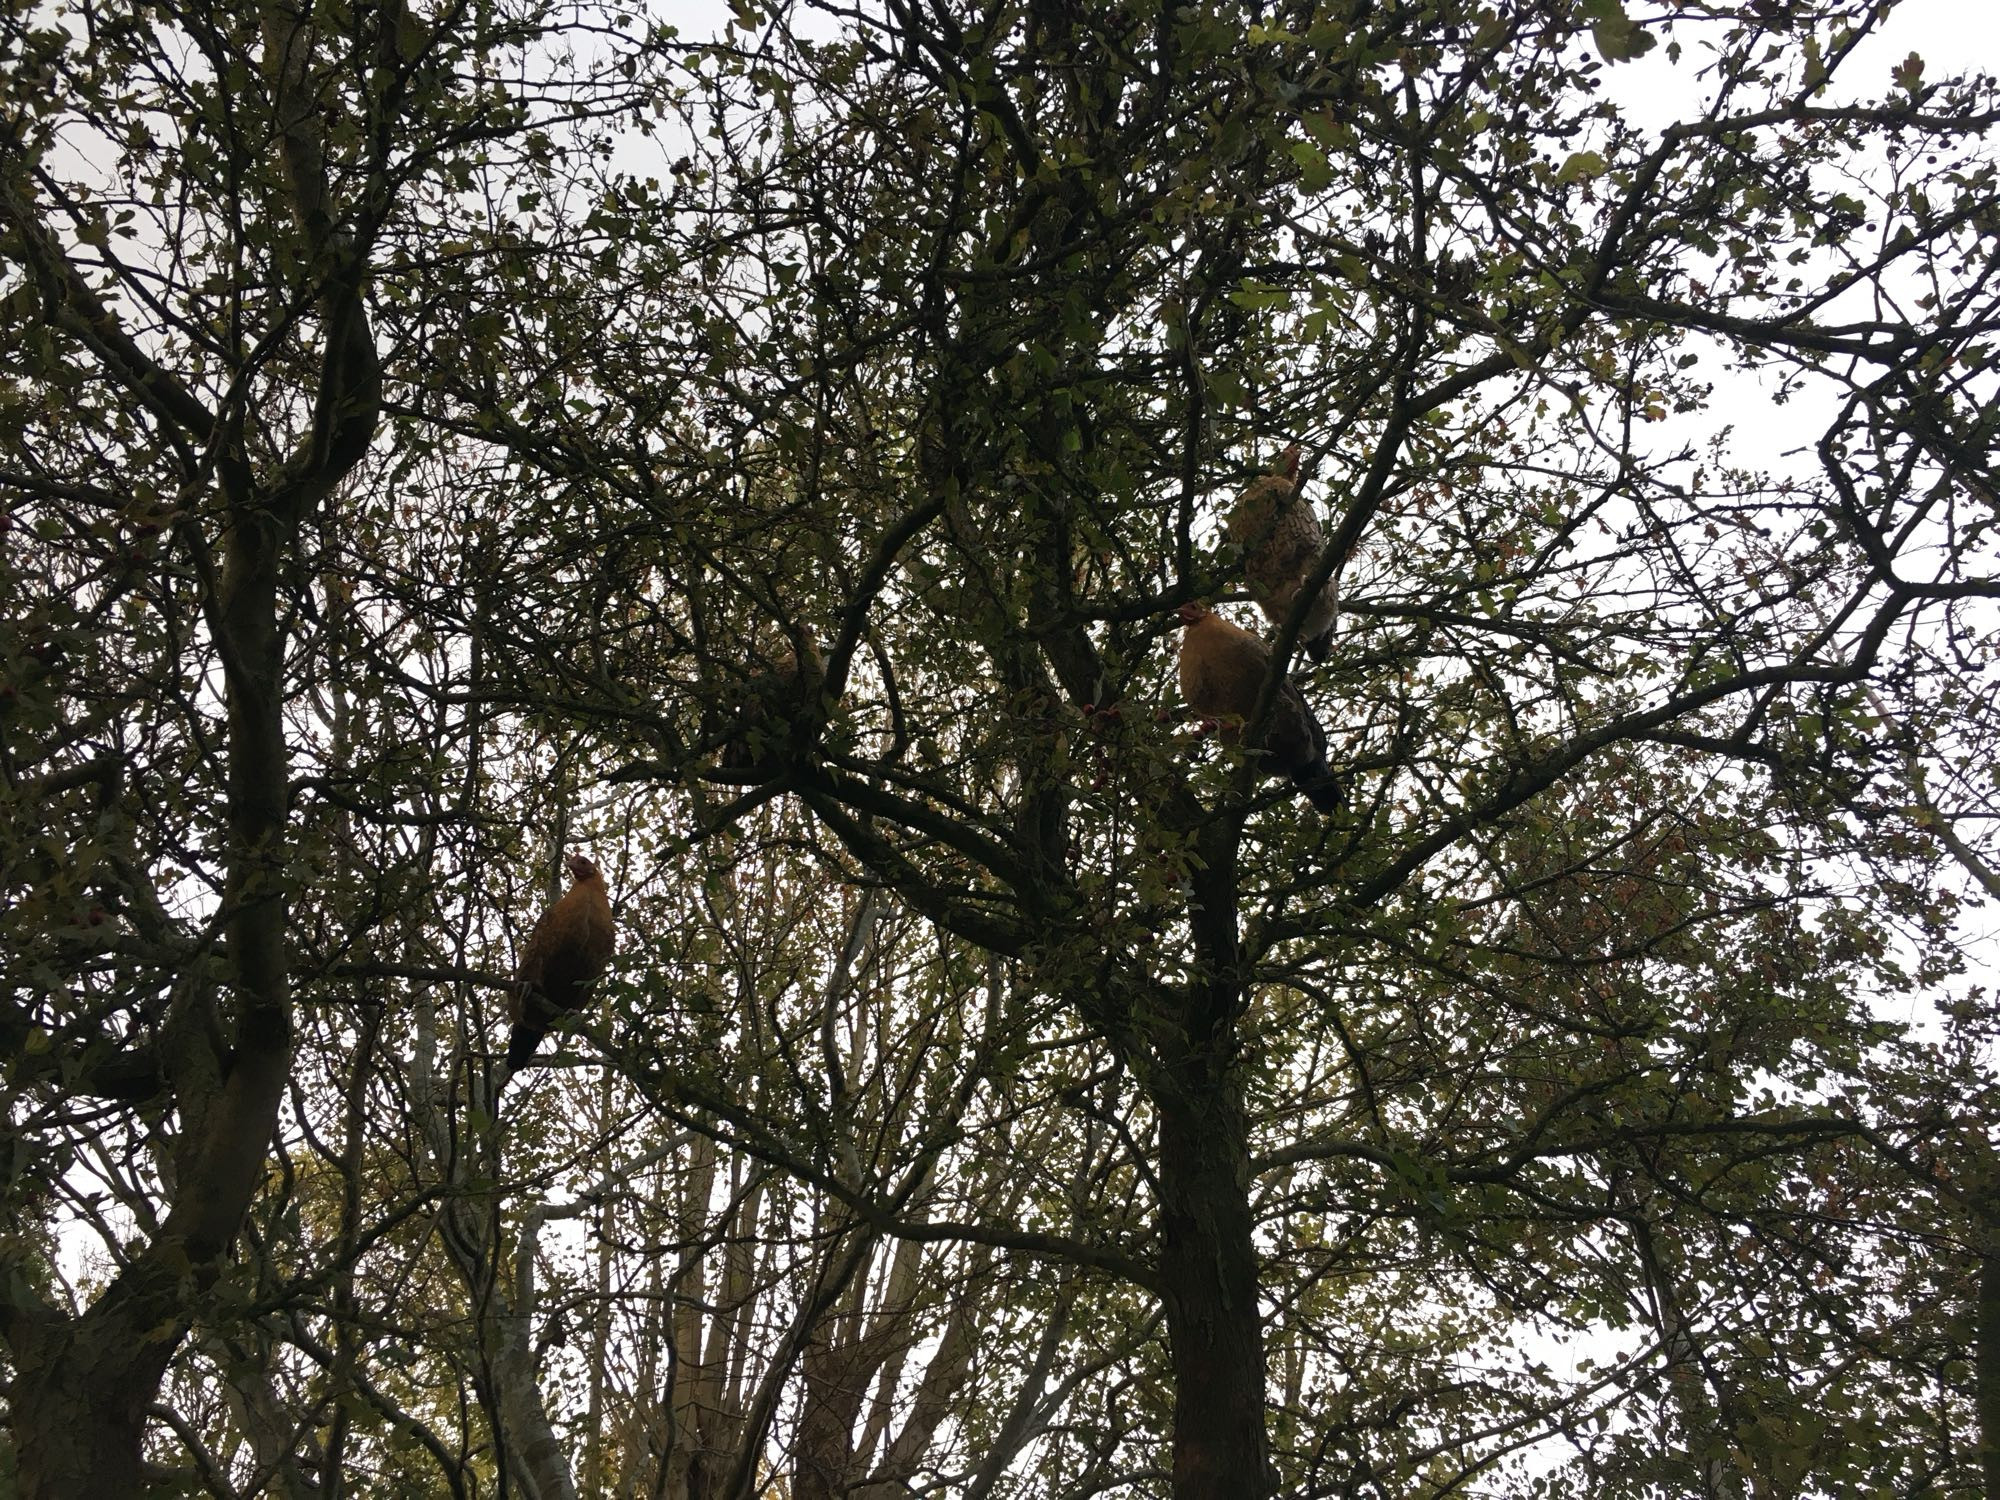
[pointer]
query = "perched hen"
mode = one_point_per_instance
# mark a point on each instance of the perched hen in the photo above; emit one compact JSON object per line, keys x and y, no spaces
{"x":1222,"y":671}
{"x":568,"y":949}
{"x":1281,"y":541}
{"x":778,"y":701}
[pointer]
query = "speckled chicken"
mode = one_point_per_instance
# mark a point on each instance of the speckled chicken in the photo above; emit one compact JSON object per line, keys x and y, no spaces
{"x":1281,"y":541}
{"x":1222,"y":671}
{"x":566,"y":952}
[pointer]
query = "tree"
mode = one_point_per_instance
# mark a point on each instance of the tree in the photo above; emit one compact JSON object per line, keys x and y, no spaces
{"x":193,"y":218}
{"x":999,"y":1088}
{"x":238,"y":495}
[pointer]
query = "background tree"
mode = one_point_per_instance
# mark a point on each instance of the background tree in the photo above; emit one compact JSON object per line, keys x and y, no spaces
{"x":788,"y":451}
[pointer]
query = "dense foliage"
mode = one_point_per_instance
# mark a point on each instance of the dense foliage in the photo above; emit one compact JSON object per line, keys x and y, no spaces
{"x":769,"y":458}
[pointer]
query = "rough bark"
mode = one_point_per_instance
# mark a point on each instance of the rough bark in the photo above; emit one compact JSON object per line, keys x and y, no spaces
{"x":1208,"y":1259}
{"x":1208,"y":1276}
{"x":1988,"y":1362}
{"x":832,"y":1375}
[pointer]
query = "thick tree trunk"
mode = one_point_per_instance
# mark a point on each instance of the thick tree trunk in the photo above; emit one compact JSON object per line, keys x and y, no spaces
{"x":541,"y":1462}
{"x":823,"y":1447}
{"x":79,"y":1402}
{"x":1208,"y":1273}
{"x":1987,"y":1358}
{"x":1208,"y":1260}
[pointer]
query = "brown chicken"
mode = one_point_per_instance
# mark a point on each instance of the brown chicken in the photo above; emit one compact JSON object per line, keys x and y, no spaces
{"x":1281,"y":541}
{"x":1222,"y":671}
{"x":566,"y":952}
{"x":778,"y":704}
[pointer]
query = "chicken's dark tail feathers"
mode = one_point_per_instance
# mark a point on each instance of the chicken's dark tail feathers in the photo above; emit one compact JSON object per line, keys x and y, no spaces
{"x":1319,"y":647}
{"x":521,"y":1044}
{"x":1320,"y":787}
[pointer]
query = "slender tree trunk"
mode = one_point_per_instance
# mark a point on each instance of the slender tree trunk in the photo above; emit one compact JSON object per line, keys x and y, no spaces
{"x":502,"y":1315}
{"x":1709,"y":1404}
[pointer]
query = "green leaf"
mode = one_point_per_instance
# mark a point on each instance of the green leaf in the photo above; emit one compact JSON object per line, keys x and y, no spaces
{"x":1581,"y":166}
{"x":1619,"y":38}
{"x":1258,"y":296}
{"x":1314,"y":172}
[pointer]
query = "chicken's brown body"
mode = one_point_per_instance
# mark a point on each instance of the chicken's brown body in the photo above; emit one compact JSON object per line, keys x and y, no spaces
{"x":778,"y":701}
{"x":1222,"y":671}
{"x":1282,"y":541}
{"x":566,"y":952}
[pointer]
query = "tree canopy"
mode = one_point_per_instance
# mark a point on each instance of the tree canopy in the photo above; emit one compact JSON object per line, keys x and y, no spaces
{"x":769,"y":458}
